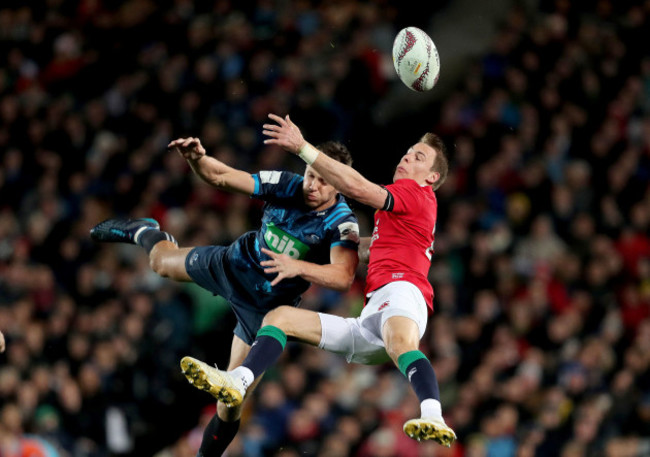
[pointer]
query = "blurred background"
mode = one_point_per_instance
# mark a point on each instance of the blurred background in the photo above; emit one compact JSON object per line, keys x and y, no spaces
{"x":541,"y":336}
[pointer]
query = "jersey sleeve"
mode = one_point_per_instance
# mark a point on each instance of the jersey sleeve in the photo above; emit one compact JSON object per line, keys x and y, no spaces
{"x":276,"y":184}
{"x":346,"y":231}
{"x":402,"y":197}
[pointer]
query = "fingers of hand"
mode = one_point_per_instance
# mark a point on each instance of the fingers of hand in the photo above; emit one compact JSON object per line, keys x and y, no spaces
{"x":270,"y":253}
{"x":174,"y":144}
{"x":179,"y":143}
{"x":192,"y":144}
{"x":277,"y":119}
{"x":277,"y":279}
{"x":271,"y":133}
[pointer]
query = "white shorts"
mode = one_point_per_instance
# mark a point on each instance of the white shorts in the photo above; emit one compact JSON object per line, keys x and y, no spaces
{"x":359,"y":339}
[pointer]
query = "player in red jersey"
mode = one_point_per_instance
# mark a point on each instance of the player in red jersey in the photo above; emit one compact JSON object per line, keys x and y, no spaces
{"x":399,"y":296}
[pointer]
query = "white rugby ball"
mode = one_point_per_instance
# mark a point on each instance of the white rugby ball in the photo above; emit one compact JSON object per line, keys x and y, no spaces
{"x":416,"y":59}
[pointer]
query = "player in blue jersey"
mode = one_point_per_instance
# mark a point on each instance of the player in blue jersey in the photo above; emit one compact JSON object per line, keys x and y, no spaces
{"x":304,"y":218}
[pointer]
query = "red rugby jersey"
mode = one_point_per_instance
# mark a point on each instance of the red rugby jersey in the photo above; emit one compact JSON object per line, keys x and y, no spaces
{"x":402,"y":240}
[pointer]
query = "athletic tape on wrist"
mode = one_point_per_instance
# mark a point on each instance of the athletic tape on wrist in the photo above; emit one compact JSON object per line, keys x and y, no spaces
{"x":308,"y":153}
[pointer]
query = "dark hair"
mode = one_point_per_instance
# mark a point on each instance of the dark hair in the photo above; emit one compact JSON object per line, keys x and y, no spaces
{"x":440,"y":163}
{"x":337,"y":151}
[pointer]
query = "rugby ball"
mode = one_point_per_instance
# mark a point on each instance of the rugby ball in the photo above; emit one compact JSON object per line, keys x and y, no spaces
{"x":416,"y":59}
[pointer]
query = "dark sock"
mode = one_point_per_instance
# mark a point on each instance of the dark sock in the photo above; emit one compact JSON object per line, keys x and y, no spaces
{"x":149,"y":238}
{"x":266,"y":349}
{"x":218,"y":434}
{"x":418,"y":370}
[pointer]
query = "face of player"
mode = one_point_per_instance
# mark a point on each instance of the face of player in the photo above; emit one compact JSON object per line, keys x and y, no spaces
{"x":416,"y":165}
{"x":318,"y":194}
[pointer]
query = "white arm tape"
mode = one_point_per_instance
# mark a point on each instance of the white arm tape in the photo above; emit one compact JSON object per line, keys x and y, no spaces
{"x":308,"y":153}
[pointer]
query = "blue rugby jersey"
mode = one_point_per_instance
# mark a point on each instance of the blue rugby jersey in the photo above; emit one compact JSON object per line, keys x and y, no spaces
{"x":290,"y":227}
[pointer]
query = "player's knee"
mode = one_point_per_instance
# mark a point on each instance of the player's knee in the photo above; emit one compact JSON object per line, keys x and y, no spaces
{"x":162,"y":265}
{"x":157,"y":264}
{"x":400,"y":344}
{"x":400,"y":335}
{"x":279,"y":317}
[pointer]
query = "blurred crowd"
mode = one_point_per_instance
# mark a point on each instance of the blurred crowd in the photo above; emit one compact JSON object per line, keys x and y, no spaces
{"x":541,"y":336}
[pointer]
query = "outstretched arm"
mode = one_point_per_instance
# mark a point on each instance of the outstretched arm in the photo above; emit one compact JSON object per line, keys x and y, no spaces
{"x":212,"y":170}
{"x":344,"y":178}
{"x":337,"y":275}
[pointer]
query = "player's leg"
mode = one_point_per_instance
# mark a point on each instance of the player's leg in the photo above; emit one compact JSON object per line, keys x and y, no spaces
{"x":332,"y":333}
{"x":401,"y":336}
{"x":144,"y":232}
{"x":166,"y":258}
{"x":402,"y":325}
{"x":223,"y":426}
{"x":230,"y":387}
{"x":285,"y":321}
{"x":301,"y":324}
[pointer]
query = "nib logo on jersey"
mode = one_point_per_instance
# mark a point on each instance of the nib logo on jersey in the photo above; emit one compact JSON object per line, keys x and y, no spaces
{"x":281,"y":242}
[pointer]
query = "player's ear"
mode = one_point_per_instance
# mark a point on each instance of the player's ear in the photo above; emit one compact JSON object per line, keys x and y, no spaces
{"x":433,"y":178}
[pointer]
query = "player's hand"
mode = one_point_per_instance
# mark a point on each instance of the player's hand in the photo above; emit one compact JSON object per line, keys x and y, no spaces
{"x":2,"y":342}
{"x":189,"y":148}
{"x":285,"y":134}
{"x":282,"y":264}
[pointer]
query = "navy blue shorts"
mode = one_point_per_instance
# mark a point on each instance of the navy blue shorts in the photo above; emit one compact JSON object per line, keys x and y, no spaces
{"x":209,"y":267}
